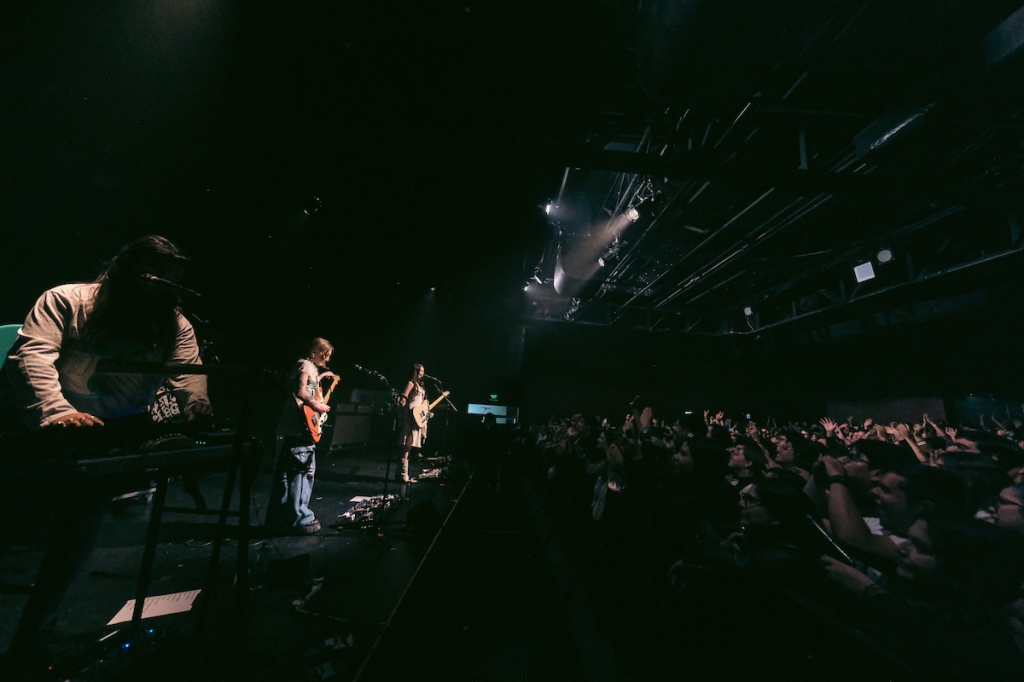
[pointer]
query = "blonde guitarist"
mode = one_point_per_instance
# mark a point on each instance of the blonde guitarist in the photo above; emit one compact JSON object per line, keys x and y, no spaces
{"x":293,"y":483}
{"x":413,"y":434}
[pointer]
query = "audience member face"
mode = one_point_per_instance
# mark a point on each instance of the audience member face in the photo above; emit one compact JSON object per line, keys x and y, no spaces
{"x":858,"y":469}
{"x":893,"y":510}
{"x":783,"y":449}
{"x":752,"y":511}
{"x":739,"y":465}
{"x":602,"y":443}
{"x":682,"y":458}
{"x":916,"y":559}
{"x":1008,"y":511}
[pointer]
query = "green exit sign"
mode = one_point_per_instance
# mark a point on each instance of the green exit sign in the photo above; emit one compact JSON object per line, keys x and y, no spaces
{"x":494,"y":397}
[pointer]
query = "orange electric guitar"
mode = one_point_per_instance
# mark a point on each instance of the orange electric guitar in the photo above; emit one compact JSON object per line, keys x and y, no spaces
{"x":314,"y":420}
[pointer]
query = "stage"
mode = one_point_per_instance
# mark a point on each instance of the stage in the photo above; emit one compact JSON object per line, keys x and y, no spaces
{"x":453,"y":583}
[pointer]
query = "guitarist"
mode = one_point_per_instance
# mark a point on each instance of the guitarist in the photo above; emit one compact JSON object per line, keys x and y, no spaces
{"x":293,"y":483}
{"x":413,"y":434}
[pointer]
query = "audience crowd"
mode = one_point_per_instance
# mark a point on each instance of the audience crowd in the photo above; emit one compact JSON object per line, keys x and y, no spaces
{"x":895,"y":547}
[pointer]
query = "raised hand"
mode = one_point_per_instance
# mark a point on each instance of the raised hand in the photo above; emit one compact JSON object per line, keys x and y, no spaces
{"x":732,"y":543}
{"x":645,"y":418}
{"x":951,"y":432}
{"x":830,"y":426}
{"x":833,"y":467}
{"x":868,"y":422}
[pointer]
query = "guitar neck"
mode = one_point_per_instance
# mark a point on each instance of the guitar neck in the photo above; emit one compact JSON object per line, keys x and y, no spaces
{"x":439,"y":399}
{"x":334,"y":383}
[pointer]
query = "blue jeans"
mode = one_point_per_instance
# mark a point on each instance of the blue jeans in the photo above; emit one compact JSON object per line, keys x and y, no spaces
{"x":293,"y":486}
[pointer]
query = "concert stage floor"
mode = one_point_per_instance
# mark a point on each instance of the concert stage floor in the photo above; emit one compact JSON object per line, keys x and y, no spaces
{"x":475,"y":598}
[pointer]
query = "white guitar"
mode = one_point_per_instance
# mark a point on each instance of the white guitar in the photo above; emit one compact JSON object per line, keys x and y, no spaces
{"x":421,"y":413}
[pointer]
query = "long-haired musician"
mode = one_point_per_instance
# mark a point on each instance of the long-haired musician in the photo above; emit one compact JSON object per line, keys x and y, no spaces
{"x":293,"y":484}
{"x":50,"y":382}
{"x":413,"y":434}
{"x":129,"y":313}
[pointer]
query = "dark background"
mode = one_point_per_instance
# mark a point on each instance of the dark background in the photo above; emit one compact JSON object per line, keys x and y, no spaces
{"x":216,"y":124}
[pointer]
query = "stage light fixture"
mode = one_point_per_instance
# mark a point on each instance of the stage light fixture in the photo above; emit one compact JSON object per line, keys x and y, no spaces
{"x":536,"y":275}
{"x":864,"y":272}
{"x":314,"y":205}
{"x":632,"y":214}
{"x":884,"y":255}
{"x":747,"y":311}
{"x":610,"y":254}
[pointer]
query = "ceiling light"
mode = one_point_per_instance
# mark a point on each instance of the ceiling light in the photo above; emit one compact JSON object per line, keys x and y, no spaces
{"x":632,"y":214}
{"x":884,"y":255}
{"x":864,"y":272}
{"x":313,"y":205}
{"x":747,"y":311}
{"x":610,"y":254}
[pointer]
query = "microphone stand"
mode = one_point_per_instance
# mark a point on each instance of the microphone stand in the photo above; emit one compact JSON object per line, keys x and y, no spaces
{"x":447,"y":424}
{"x":245,"y":468}
{"x":379,"y":525}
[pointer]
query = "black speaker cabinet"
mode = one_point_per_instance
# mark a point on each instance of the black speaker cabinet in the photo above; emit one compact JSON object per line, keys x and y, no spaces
{"x":351,"y":425}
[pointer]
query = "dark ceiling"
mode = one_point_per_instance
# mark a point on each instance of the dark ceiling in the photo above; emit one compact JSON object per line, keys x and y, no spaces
{"x":767,"y":148}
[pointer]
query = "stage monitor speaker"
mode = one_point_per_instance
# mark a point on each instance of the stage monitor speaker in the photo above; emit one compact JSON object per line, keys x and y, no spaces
{"x":426,"y":517}
{"x":350,"y":429}
{"x":291,"y":572}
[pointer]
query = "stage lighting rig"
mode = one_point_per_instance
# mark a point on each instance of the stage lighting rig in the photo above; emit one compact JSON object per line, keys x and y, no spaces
{"x":611,"y":254}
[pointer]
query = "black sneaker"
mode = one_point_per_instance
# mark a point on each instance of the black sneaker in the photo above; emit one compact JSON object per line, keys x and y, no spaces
{"x":308,"y":529}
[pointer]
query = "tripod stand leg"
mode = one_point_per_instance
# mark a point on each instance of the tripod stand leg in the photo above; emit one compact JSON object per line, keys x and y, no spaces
{"x":146,"y":571}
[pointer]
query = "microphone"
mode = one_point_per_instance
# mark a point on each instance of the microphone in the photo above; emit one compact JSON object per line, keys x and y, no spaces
{"x":370,"y":372}
{"x":427,"y":376}
{"x":161,"y":281}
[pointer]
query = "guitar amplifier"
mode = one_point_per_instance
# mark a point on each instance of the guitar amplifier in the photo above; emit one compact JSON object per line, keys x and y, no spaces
{"x":351,"y":425}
